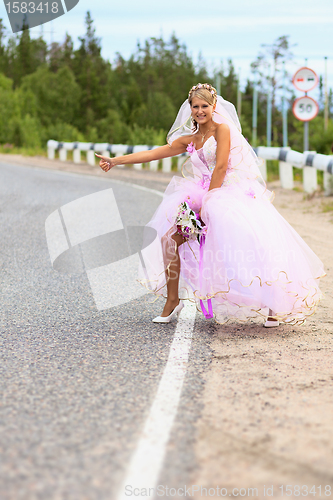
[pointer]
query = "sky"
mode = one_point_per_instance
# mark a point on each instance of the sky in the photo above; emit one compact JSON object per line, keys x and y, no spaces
{"x":218,"y":29}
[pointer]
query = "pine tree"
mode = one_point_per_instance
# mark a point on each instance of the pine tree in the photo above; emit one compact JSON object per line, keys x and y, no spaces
{"x":91,"y":73}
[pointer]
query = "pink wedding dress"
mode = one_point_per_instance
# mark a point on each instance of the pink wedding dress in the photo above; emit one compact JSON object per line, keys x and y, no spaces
{"x":251,"y":259}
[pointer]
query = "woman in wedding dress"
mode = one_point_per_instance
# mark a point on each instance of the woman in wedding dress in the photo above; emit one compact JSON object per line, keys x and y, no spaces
{"x":220,"y":241}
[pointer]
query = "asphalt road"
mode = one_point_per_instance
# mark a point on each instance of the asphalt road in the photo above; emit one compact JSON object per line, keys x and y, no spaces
{"x":77,"y":383}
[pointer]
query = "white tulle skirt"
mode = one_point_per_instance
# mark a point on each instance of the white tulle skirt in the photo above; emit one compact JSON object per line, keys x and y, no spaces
{"x":251,"y":261}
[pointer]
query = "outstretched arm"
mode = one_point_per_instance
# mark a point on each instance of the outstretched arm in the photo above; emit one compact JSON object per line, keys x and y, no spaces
{"x":177,"y":147}
{"x":222,"y":156}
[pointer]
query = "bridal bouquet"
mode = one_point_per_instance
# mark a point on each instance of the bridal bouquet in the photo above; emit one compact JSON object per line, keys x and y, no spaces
{"x":189,"y":223}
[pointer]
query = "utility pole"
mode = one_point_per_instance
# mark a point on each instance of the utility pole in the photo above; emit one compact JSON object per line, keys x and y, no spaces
{"x":284,"y":110}
{"x":218,"y":83}
{"x":239,"y":96}
{"x":269,"y":112}
{"x":254,"y":112}
{"x":306,"y":126}
{"x":326,"y":99}
{"x":51,"y":37}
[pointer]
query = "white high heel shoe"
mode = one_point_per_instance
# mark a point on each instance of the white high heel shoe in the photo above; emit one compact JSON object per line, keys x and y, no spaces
{"x":271,"y":323}
{"x":167,"y":319}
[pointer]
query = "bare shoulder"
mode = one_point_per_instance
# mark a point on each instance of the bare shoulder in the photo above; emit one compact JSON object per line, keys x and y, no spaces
{"x":222,"y":130}
{"x":183,"y":140}
{"x":180,"y":144}
{"x":186,"y":139}
{"x":222,"y":134}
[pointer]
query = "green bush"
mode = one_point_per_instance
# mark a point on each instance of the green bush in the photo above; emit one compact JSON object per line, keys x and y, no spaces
{"x":114,"y":131}
{"x":5,"y":83}
{"x":272,"y":170}
{"x":111,"y":129}
{"x":62,"y":132}
{"x":10,"y":109}
{"x":158,"y":110}
{"x":57,"y":94}
{"x":147,"y":135}
{"x":24,"y":132}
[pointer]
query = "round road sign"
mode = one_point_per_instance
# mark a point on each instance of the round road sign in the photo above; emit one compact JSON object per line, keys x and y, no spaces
{"x":305,"y":108}
{"x":305,"y":79}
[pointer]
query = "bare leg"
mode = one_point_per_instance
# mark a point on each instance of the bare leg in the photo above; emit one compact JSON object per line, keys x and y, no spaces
{"x":173,"y":279}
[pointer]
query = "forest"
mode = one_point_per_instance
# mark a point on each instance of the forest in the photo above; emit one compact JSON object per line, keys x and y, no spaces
{"x":57,"y":92}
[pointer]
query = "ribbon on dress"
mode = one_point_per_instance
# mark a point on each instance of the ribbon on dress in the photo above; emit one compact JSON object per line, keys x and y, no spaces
{"x":208,"y":314}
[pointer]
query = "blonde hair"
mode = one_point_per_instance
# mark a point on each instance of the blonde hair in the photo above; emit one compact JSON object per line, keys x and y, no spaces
{"x":203,"y":91}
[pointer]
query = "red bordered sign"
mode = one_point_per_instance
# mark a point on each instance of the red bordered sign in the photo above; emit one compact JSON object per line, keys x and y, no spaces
{"x":305,"y":79}
{"x":305,"y":108}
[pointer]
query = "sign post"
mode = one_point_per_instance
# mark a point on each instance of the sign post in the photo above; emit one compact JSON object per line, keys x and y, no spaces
{"x":305,"y":108}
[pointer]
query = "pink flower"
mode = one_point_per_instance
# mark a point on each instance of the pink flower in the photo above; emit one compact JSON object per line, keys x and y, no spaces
{"x":251,"y":193}
{"x":204,"y":183}
{"x":190,"y":148}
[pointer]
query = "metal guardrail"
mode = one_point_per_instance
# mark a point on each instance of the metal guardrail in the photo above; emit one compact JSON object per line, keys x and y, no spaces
{"x":309,"y":161}
{"x":107,"y":150}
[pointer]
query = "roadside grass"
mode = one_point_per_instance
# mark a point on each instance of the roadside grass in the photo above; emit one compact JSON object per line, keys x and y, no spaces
{"x":272,"y":170}
{"x":10,"y":149}
{"x":327,"y":206}
{"x":273,"y":175}
{"x":272,"y":165}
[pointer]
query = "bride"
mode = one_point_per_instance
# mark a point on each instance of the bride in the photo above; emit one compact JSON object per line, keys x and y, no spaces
{"x":220,"y":240}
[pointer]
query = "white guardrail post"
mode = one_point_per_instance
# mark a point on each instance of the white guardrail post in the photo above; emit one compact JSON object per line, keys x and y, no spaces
{"x":91,"y":155}
{"x":309,"y":161}
{"x":328,"y":183}
{"x":310,"y":182}
{"x":166,"y":164}
{"x":286,"y":172}
{"x":181,"y":159}
{"x":62,"y":152}
{"x":76,"y":153}
{"x":51,"y":148}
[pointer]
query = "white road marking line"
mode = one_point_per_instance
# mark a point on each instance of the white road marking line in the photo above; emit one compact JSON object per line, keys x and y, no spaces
{"x":97,"y":177}
{"x":138,"y":186}
{"x":147,"y":460}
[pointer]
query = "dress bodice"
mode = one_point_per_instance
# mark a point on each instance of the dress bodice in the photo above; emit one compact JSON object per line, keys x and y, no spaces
{"x":205,"y":160}
{"x":207,"y":154}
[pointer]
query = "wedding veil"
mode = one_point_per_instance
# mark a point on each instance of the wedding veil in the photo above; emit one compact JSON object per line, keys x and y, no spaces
{"x":225,"y":112}
{"x":242,"y":156}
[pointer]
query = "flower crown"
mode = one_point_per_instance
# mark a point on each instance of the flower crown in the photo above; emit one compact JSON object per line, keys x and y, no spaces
{"x":206,"y":86}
